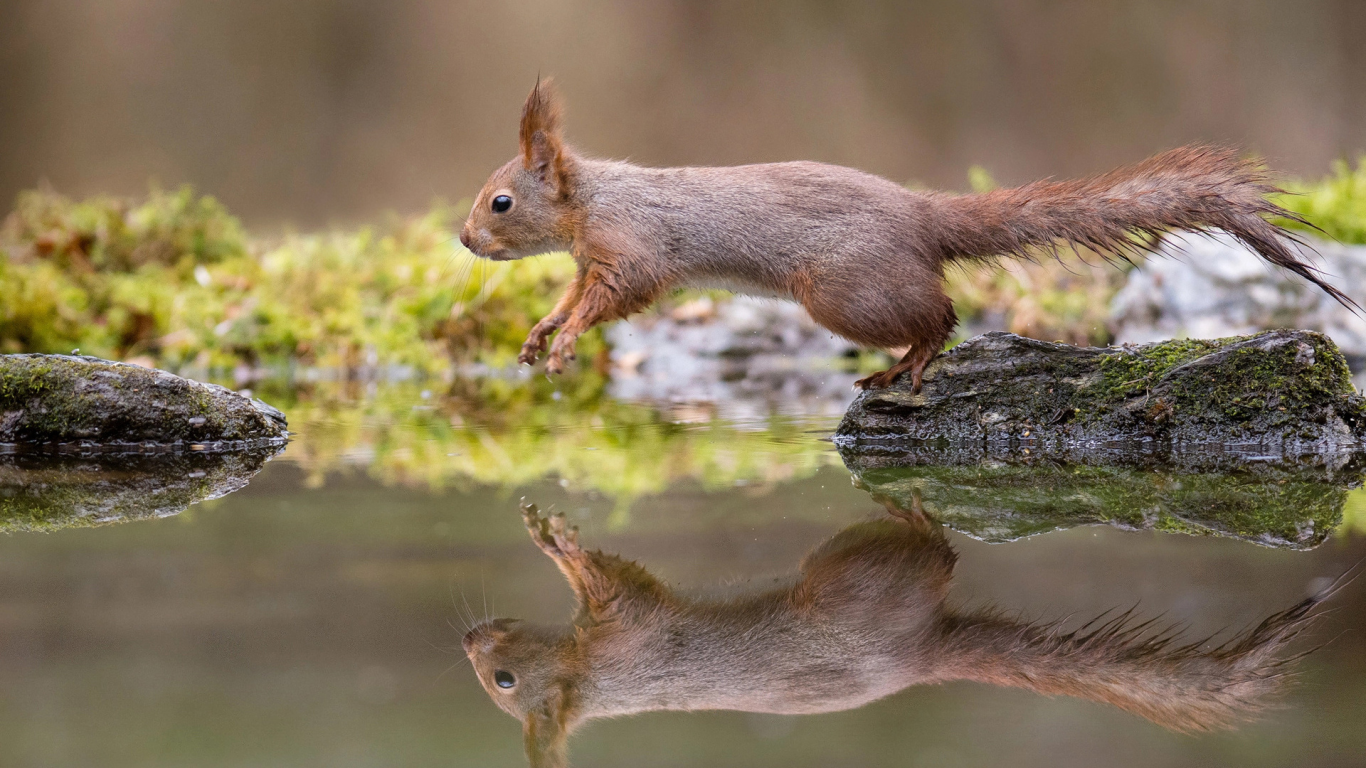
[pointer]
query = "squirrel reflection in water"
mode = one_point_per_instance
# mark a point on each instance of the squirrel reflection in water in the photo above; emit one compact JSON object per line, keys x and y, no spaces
{"x":865,"y":618}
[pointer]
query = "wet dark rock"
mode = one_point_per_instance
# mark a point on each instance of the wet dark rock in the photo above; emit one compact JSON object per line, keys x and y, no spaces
{"x":45,"y":492}
{"x":1293,"y":505}
{"x":69,"y":401}
{"x":1194,"y":404}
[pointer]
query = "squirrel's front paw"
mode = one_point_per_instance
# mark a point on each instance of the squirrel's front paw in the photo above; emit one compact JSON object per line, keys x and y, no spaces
{"x":565,"y":536}
{"x":552,"y":534}
{"x":555,"y":363}
{"x":536,"y":526}
{"x":535,"y":343}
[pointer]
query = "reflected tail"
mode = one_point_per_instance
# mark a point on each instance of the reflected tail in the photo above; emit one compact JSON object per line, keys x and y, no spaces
{"x":1136,"y":666}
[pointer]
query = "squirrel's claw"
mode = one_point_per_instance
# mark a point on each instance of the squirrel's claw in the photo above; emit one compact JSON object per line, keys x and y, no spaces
{"x":878,"y":380}
{"x":532,"y":349}
{"x":565,"y":536}
{"x":885,"y":379}
{"x":535,"y":525}
{"x":560,"y":352}
{"x":552,"y":534}
{"x":555,"y":363}
{"x":535,"y":343}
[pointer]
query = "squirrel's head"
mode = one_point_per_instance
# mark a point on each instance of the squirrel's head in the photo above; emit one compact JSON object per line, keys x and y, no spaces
{"x":526,"y":207}
{"x":521,"y":667}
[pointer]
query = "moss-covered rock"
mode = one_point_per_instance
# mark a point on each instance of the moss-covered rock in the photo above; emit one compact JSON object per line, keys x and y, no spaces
{"x":1197,"y":403}
{"x":50,"y":492}
{"x":1291,"y":505}
{"x":65,"y":400}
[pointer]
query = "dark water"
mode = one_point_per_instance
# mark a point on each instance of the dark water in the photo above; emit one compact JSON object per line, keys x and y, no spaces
{"x":314,"y":617}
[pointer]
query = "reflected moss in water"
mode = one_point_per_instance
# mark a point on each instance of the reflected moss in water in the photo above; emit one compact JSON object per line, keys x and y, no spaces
{"x":1001,"y":499}
{"x":510,"y":432}
{"x":1354,"y":513}
{"x":507,"y":433}
{"x":47,"y":493}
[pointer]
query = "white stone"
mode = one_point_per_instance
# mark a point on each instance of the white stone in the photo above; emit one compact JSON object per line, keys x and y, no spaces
{"x":1211,"y":286}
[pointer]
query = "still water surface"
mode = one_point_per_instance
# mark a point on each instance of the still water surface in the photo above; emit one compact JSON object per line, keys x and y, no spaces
{"x":314,"y":617}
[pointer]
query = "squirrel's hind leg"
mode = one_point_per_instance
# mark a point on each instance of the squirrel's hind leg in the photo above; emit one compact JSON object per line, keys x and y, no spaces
{"x":915,"y":360}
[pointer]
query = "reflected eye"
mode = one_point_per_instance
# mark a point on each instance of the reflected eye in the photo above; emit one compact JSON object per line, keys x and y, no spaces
{"x":501,"y":203}
{"x":504,"y":679}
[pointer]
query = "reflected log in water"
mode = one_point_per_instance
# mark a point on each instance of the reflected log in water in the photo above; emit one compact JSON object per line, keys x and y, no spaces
{"x":865,"y":618}
{"x":44,"y":492}
{"x":1293,"y":505}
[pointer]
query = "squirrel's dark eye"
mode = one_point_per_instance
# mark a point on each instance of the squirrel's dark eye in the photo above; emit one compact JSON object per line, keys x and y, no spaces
{"x":501,"y":203}
{"x":504,"y":679}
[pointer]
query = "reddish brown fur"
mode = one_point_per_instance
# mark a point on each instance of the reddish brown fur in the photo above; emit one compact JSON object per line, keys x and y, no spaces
{"x":864,"y":256}
{"x":866,"y":617}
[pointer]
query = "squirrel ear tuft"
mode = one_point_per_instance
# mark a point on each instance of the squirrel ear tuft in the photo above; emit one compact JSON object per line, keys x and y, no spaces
{"x":542,"y":149}
{"x":545,"y":731}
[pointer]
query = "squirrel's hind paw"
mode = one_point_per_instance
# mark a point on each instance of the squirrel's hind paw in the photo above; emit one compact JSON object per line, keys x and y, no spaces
{"x":885,"y":379}
{"x":880,"y":380}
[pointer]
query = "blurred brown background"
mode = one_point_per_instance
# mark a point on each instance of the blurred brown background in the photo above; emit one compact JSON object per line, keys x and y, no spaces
{"x":317,"y":111}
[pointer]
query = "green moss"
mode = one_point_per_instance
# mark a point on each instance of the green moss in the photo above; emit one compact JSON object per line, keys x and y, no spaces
{"x":1250,"y":382}
{"x":1169,"y":524}
{"x":19,"y":383}
{"x":29,"y":380}
{"x":1335,"y":205}
{"x":1126,"y":374}
{"x":174,"y":278}
{"x":1254,"y":382}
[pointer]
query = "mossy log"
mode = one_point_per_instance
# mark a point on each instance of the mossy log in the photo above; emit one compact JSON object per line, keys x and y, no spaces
{"x":50,"y":492}
{"x":67,"y":401}
{"x":1195,"y":403}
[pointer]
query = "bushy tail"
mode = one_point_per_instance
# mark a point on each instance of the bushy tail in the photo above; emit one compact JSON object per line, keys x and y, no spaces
{"x":1126,"y":210}
{"x":1185,"y":687}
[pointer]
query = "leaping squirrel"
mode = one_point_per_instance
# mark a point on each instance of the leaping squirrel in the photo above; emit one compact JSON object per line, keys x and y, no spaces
{"x":865,"y":618}
{"x":863,"y":255}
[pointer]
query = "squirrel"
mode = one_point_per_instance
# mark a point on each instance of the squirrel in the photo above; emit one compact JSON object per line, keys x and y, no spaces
{"x":864,"y":255}
{"x":865,"y":618}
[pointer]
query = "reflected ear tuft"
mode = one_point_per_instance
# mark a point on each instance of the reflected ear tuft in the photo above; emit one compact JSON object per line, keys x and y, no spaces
{"x":545,"y":731}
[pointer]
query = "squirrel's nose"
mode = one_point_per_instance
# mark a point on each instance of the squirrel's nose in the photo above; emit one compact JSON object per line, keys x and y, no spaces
{"x":464,"y":237}
{"x":469,"y":640}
